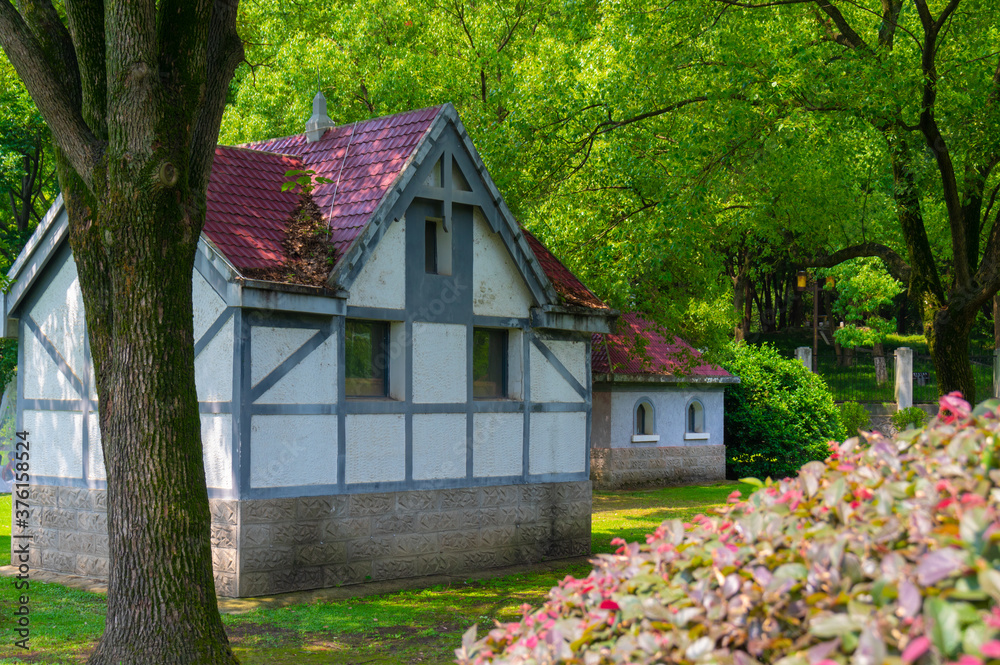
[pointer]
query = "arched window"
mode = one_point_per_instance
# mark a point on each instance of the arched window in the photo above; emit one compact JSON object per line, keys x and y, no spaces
{"x":695,"y":428}
{"x":644,"y":422}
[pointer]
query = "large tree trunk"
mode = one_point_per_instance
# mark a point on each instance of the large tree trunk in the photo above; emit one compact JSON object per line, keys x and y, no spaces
{"x":947,"y":330}
{"x":133,"y":93}
{"x":742,"y":298}
{"x":134,"y":251}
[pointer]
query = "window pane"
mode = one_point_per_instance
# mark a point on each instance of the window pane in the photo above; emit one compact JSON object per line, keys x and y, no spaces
{"x":489,"y":349}
{"x":430,"y":248}
{"x":367,"y":362}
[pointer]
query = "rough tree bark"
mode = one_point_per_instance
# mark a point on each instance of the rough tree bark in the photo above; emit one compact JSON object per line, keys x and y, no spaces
{"x":134,"y":93}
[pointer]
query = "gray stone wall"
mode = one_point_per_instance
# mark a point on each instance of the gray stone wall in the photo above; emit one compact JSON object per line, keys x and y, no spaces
{"x":614,"y":468}
{"x":69,"y":528}
{"x":312,"y":542}
{"x":278,"y":545}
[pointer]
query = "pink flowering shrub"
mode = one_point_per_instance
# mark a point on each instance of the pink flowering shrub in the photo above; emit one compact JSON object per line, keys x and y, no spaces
{"x":887,"y":552}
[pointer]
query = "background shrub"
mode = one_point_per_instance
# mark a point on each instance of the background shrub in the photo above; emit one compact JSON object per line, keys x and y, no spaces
{"x":854,"y":417}
{"x":911,"y":416}
{"x":779,"y":417}
{"x":887,"y":553}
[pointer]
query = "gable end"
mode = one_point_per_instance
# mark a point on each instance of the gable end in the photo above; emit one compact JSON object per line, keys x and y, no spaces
{"x":446,"y":140}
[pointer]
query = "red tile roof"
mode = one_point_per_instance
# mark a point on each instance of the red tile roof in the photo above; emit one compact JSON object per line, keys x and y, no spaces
{"x":247,"y":211}
{"x":566,"y":284}
{"x":363,"y":160}
{"x":625,"y":353}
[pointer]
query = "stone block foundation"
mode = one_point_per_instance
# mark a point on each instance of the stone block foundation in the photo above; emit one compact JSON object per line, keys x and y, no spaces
{"x":614,"y":468}
{"x":269,"y":546}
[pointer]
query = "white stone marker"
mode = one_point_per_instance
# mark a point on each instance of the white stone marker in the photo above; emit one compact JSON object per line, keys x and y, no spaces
{"x":904,"y":378}
{"x":805,"y":354}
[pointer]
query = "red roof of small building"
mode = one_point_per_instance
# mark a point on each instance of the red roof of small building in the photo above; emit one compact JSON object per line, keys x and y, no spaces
{"x":642,"y":348}
{"x":247,"y":213}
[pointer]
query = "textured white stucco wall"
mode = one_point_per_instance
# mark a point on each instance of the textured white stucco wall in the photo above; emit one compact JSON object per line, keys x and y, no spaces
{"x":573,"y":356}
{"x":498,"y":289}
{"x":57,"y":443}
{"x":270,"y":346}
{"x":382,"y":280}
{"x":95,"y":451}
{"x":547,"y":384}
{"x":213,"y":367}
{"x":558,"y":443}
{"x":439,"y":447}
{"x":439,"y":363}
{"x":42,"y":378}
{"x":312,"y":381}
{"x":217,"y":442}
{"x":376,"y":448}
{"x":293,"y":450}
{"x":58,"y":312}
{"x":670,"y":406}
{"x":207,"y":304}
{"x":497,"y":444}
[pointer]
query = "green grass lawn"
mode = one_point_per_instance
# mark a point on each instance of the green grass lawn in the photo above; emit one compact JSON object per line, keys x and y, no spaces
{"x":422,"y":626}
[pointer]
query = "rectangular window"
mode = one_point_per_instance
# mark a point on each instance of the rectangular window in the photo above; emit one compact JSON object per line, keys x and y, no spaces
{"x":489,"y":363}
{"x":367,"y":358}
{"x":437,"y":248}
{"x":430,"y":247}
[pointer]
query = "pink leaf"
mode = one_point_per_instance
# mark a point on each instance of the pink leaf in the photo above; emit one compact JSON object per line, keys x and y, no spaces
{"x":916,"y":649}
{"x":991,"y":649}
{"x":937,"y":565}
{"x":609,"y":605}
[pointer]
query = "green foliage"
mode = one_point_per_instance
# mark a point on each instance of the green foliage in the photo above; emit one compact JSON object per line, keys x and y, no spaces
{"x":779,"y":417}
{"x":908,"y":418}
{"x":884,"y":553}
{"x":854,"y":417}
{"x":305,"y":179}
{"x":863,"y":288}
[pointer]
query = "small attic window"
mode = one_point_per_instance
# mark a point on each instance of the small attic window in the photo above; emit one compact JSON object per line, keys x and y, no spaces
{"x":437,"y":248}
{"x":695,"y":421}
{"x":644,"y":422}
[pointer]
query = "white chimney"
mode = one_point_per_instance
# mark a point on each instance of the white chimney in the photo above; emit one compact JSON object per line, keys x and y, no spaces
{"x":317,"y":125}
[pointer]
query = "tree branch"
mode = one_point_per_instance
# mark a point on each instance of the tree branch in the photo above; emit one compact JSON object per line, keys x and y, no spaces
{"x":56,"y":45}
{"x":225,"y":53}
{"x":890,"y":21}
{"x":53,"y":93}
{"x":86,"y":25}
{"x":895,"y":264}
{"x":936,"y":142}
{"x":848,"y":36}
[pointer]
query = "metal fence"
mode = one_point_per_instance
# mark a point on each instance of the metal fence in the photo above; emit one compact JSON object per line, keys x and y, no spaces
{"x":852,"y":378}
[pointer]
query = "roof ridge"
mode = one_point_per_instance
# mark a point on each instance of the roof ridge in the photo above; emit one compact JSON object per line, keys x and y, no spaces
{"x":275,"y":139}
{"x":243,"y":148}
